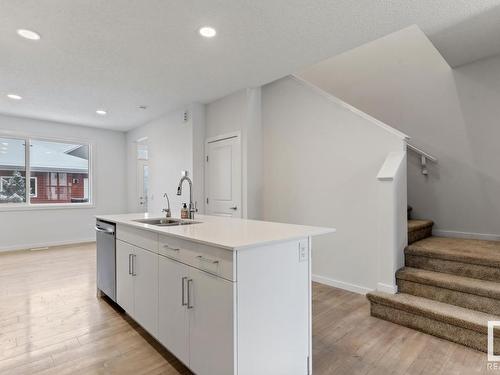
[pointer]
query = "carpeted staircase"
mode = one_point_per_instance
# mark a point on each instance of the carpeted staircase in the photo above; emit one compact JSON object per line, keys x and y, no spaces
{"x":449,"y":288}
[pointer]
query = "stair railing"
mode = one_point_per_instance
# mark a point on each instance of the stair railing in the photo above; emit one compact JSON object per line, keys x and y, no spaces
{"x":424,"y":156}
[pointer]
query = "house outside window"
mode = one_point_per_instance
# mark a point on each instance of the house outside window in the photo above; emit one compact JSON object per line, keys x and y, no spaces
{"x":59,"y":172}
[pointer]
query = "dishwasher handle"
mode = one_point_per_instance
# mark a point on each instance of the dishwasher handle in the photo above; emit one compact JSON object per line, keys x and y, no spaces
{"x":108,"y":231}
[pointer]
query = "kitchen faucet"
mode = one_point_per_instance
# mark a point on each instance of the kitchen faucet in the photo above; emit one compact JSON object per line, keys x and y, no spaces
{"x":192,"y":206}
{"x":167,"y":211}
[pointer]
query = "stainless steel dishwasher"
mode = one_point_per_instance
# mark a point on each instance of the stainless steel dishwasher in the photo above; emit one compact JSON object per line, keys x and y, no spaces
{"x":106,"y":258}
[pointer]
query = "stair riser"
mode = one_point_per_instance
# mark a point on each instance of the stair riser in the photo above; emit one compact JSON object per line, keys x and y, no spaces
{"x":454,"y":268}
{"x":459,"y":335}
{"x":452,"y":297}
{"x":420,"y":234}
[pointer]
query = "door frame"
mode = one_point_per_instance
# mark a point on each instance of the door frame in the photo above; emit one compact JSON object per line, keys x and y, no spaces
{"x":218,"y":138}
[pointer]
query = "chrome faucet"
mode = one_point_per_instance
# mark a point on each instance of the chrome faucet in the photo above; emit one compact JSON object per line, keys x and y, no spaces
{"x":167,"y":211}
{"x":192,"y":206}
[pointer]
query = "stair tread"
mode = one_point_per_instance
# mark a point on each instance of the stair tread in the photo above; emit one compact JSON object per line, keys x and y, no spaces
{"x":481,"y":252}
{"x":463,"y":284}
{"x":414,"y":225}
{"x":451,"y":314}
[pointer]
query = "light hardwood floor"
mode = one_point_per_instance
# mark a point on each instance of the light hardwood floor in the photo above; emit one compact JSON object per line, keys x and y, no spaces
{"x":52,"y":323}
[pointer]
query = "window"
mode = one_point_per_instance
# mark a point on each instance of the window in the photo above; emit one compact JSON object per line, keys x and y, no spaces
{"x":59,"y":172}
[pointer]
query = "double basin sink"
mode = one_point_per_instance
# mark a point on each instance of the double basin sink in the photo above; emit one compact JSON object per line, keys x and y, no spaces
{"x":166,"y":222}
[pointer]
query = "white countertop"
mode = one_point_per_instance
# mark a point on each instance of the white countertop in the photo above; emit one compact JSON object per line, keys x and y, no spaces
{"x":228,"y":233}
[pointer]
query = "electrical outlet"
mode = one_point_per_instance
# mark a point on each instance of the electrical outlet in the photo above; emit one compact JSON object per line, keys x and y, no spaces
{"x":303,"y":251}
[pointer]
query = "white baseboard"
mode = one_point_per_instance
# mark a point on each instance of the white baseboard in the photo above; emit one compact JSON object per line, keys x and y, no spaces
{"x":467,"y":235}
{"x":341,"y":284}
{"x":386,"y":288}
{"x":44,"y":244}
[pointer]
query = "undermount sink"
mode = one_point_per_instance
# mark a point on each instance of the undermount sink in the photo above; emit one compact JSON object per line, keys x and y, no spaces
{"x":166,"y":222}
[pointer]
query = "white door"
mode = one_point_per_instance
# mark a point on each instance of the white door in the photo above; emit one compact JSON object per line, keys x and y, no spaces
{"x":223,"y":177}
{"x":211,"y":332}
{"x":142,"y":185}
{"x":145,"y":273}
{"x":124,"y":280}
{"x":172,"y":319}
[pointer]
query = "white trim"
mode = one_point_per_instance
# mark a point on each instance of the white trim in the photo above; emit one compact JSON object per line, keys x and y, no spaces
{"x":349,"y":107}
{"x":5,"y":207}
{"x":341,"y":284}
{"x":386,"y":288}
{"x":44,"y":244}
{"x":466,"y":235}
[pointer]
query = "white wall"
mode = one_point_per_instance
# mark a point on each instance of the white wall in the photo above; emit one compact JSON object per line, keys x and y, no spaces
{"x":321,"y":160}
{"x":47,"y":227}
{"x":174,"y":145}
{"x":241,"y":111}
{"x":403,"y":81}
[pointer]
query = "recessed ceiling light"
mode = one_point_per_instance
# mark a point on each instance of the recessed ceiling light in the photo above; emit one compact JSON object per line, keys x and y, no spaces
{"x":14,"y":96}
{"x":207,"y":32}
{"x":28,"y":34}
{"x":101,"y":112}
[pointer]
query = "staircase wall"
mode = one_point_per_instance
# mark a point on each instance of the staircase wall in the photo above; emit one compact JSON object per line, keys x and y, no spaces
{"x":321,"y":160}
{"x":402,"y":80}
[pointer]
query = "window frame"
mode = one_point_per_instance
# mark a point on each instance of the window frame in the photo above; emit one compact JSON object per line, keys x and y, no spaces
{"x":27,"y":205}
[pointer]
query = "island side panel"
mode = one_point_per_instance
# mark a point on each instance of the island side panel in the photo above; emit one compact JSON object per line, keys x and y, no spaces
{"x":274,"y":305}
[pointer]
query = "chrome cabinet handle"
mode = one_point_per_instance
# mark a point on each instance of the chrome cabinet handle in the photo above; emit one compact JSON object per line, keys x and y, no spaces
{"x":166,"y":246}
{"x":203,"y":259}
{"x":130,"y":264}
{"x":189,"y":283}
{"x":183,"y":281}
{"x":133,"y":264}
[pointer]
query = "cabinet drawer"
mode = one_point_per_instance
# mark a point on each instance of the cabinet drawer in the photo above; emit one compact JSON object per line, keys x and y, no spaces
{"x":138,"y":237}
{"x":207,"y":258}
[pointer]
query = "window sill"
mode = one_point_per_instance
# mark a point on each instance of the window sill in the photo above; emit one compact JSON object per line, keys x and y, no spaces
{"x":47,"y":206}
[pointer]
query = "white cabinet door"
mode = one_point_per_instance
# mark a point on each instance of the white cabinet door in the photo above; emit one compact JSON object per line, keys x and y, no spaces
{"x":124,"y":280}
{"x":172,"y":318}
{"x":211,"y":329}
{"x":145,"y":270}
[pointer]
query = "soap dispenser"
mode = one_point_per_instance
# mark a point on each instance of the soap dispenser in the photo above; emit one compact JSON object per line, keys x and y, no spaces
{"x":184,"y":211}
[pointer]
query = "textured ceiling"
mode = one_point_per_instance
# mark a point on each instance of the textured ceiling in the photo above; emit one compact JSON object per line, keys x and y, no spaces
{"x":120,"y":54}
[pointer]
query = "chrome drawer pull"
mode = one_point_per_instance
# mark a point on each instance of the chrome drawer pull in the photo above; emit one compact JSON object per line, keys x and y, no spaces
{"x":171,"y":248}
{"x":202,"y":258}
{"x":183,"y":303}
{"x":189,"y":283}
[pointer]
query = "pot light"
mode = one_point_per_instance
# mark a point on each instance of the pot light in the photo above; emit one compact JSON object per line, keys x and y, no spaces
{"x":101,"y":112}
{"x":28,"y":34}
{"x":207,"y":32}
{"x":14,"y":96}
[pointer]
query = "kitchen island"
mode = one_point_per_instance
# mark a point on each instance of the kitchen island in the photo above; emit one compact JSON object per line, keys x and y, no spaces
{"x":224,"y":295}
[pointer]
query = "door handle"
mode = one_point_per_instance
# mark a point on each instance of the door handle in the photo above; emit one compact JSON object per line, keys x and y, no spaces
{"x":133,"y":264}
{"x":183,"y":281}
{"x":189,"y":283}
{"x":130,"y":264}
{"x":233,"y":208}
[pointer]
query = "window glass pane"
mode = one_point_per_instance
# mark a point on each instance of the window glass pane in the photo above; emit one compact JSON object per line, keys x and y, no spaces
{"x":61,"y":171}
{"x":12,"y":171}
{"x":142,"y":151}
